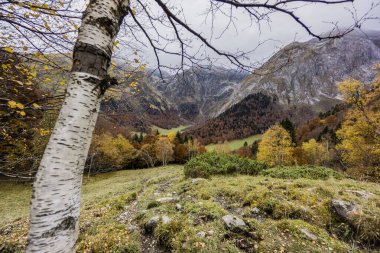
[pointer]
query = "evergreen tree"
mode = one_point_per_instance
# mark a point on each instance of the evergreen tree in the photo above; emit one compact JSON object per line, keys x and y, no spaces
{"x":289,"y":127}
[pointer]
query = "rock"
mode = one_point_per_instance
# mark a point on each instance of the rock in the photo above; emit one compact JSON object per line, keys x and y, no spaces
{"x":167,"y":200}
{"x":362,"y":194}
{"x":344,"y":208}
{"x":178,"y":207}
{"x":255,"y":210}
{"x":237,"y":210}
{"x":201,"y":234}
{"x":210,"y":233}
{"x":152,"y":224}
{"x":232,"y":222}
{"x":308,"y":234}
{"x":196,"y":180}
{"x":165,"y":219}
{"x":131,"y":228}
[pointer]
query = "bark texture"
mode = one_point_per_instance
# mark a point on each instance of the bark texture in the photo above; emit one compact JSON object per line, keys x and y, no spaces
{"x":55,"y":207}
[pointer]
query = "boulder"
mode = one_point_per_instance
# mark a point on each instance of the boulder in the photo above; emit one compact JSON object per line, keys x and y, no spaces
{"x":167,"y":200}
{"x":178,"y":207}
{"x":308,"y":234}
{"x":361,"y":194}
{"x":197,"y":180}
{"x":344,"y":209}
{"x":232,"y":222}
{"x":201,"y":234}
{"x":151,"y":224}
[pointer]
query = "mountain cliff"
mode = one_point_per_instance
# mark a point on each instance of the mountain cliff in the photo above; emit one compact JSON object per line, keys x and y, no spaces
{"x":307,"y":73}
{"x":197,"y":94}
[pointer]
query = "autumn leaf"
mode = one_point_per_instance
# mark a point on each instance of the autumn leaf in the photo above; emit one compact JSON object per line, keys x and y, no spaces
{"x":8,"y":49}
{"x":20,"y":106}
{"x":12,"y":104}
{"x":22,"y":113}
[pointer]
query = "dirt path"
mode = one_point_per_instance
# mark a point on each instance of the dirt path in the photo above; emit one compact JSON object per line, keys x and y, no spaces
{"x":148,"y":242}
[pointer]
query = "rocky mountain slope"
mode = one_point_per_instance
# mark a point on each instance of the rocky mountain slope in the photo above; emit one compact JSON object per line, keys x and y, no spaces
{"x":139,"y":109}
{"x":197,"y":94}
{"x":302,"y":81}
{"x":307,"y":73}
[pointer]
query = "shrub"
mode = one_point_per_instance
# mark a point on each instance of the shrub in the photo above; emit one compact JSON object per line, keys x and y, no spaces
{"x":221,"y":164}
{"x":293,"y":172}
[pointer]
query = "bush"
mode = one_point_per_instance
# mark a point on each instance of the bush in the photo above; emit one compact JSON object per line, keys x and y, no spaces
{"x":293,"y":172}
{"x":209,"y":164}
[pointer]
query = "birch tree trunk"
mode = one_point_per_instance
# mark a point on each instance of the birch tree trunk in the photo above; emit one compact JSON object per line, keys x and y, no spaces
{"x":55,"y":206}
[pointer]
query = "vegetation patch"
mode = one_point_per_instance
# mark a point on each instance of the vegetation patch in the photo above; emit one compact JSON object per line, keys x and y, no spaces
{"x":209,"y":164}
{"x":294,"y":172}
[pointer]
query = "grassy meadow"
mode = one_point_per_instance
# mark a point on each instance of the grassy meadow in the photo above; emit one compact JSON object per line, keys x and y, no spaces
{"x":118,"y":209}
{"x":236,"y":144}
{"x":164,"y":131}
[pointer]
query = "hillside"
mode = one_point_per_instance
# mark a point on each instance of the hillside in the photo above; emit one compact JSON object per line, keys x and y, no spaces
{"x":301,"y":82}
{"x":306,"y":73}
{"x":197,"y":94}
{"x":138,"y":211}
{"x":255,"y":114}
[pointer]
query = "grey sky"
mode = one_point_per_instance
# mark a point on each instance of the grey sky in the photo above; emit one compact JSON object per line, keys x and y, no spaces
{"x":282,"y":29}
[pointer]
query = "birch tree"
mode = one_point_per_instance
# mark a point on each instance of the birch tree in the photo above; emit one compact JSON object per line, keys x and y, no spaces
{"x":55,"y":206}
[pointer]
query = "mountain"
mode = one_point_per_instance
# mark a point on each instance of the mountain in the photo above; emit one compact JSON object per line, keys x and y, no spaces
{"x":301,"y":80}
{"x":253,"y":115}
{"x":197,"y":94}
{"x":139,"y":109}
{"x":307,"y":73}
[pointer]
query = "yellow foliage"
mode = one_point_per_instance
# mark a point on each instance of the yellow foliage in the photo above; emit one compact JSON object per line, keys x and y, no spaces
{"x":8,"y":49}
{"x":164,"y":150}
{"x":315,"y":153}
{"x":359,"y":135}
{"x":276,"y":147}
{"x":171,"y":136}
{"x":114,"y":151}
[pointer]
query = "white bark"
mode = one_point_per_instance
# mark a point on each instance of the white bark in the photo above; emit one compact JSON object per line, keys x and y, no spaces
{"x":55,"y":207}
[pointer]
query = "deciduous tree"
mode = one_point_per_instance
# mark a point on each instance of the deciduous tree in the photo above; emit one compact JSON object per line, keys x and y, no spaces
{"x":164,"y":150}
{"x":276,"y":147}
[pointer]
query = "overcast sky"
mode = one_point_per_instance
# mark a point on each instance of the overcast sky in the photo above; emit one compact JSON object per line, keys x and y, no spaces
{"x":281,"y":31}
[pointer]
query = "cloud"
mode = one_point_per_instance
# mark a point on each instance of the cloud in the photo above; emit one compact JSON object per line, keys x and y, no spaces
{"x":280,"y":31}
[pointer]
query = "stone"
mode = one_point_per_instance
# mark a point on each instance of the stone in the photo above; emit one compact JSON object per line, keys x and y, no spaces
{"x":308,"y":234}
{"x":167,"y":200}
{"x":362,"y":194}
{"x":233,"y":222}
{"x":197,"y":180}
{"x":210,"y":233}
{"x":178,"y":207}
{"x":165,"y":219}
{"x":255,"y":210}
{"x":131,"y":228}
{"x":152,"y":224}
{"x":344,"y":208}
{"x":201,"y":234}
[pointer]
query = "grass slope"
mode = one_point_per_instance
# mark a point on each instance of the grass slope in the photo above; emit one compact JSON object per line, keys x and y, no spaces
{"x":236,"y":144}
{"x":117,"y":208}
{"x":172,"y":130}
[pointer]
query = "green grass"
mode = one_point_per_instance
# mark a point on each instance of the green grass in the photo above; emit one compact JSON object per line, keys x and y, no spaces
{"x":172,"y":130}
{"x":236,"y":144}
{"x":15,"y":198}
{"x":286,"y":207}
